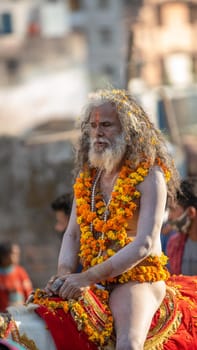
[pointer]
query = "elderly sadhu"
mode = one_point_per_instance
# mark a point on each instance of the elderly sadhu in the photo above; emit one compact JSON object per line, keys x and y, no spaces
{"x":124,"y":176}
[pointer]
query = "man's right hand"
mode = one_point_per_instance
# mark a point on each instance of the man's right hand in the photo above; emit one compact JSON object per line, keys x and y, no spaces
{"x":50,"y":288}
{"x":54,"y":284}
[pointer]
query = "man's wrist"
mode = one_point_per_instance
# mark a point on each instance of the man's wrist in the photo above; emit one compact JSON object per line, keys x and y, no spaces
{"x":90,"y":276}
{"x":63,"y":270}
{"x":99,"y":272}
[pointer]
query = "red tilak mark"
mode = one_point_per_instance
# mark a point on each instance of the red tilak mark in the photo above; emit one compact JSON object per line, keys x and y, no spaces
{"x":97,"y":117}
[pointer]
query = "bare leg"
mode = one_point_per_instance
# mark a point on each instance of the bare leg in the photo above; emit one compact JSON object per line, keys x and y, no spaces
{"x":133,"y":306}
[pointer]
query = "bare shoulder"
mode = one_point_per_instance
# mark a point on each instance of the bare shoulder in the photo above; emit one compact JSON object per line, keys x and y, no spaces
{"x":154,"y":181}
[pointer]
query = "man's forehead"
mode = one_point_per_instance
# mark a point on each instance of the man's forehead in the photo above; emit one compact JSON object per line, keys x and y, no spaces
{"x":105,"y":110}
{"x":96,"y":114}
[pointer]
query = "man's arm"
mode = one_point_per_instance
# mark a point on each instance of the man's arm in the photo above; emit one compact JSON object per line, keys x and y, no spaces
{"x":68,"y":257}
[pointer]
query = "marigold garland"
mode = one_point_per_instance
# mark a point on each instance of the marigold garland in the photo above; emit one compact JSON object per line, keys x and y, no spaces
{"x":94,"y":316}
{"x":121,"y":208}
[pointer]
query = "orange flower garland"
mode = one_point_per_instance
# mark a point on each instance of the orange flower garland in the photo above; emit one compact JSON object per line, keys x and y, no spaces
{"x":121,"y":208}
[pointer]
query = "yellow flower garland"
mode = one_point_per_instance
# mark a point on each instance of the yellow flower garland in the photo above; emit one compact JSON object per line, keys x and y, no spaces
{"x":121,"y":208}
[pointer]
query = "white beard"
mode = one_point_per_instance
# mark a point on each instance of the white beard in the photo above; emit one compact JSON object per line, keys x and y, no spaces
{"x":111,"y":156}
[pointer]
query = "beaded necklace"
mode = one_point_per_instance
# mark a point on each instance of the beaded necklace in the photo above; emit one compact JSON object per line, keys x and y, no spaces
{"x":93,"y":208}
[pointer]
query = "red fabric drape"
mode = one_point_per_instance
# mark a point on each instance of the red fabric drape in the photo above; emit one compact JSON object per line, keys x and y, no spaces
{"x":167,"y":330}
{"x":64,"y":330}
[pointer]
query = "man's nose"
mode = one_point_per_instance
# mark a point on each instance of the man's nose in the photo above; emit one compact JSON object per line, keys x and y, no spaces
{"x":99,"y":130}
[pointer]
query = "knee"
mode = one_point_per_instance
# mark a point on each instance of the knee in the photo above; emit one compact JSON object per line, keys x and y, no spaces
{"x":129,"y":344}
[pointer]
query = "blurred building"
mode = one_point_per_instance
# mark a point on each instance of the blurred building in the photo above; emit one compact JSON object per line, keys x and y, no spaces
{"x":34,"y":35}
{"x":153,"y":40}
{"x":163,"y":72}
{"x":34,"y":32}
{"x":165,"y":50}
{"x":106,"y":41}
{"x":42,"y":64}
{"x":105,"y":24}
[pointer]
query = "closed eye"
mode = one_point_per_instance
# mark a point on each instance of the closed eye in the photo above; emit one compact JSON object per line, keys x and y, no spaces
{"x":103,"y":124}
{"x":93,"y":125}
{"x":106,"y":124}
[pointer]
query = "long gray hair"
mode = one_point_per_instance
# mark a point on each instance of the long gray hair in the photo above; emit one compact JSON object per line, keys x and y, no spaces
{"x":143,"y":140}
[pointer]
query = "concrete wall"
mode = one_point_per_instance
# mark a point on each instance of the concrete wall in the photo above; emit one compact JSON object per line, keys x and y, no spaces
{"x":31,"y":176}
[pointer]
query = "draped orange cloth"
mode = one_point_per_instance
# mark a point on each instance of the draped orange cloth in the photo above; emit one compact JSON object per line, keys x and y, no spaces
{"x":174,"y":326}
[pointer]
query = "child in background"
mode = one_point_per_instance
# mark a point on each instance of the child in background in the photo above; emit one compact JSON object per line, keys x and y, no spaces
{"x":15,"y":284}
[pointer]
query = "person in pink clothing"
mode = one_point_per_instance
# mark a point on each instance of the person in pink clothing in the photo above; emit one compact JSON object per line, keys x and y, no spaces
{"x":182,"y":246}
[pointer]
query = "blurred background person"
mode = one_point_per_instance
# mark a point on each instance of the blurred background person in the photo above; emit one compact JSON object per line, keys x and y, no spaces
{"x":166,"y":231}
{"x":15,"y":284}
{"x":16,"y":254}
{"x":62,"y":208}
{"x":182,"y":246}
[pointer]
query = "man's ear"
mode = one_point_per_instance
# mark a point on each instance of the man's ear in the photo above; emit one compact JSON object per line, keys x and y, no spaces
{"x":192,"y":212}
